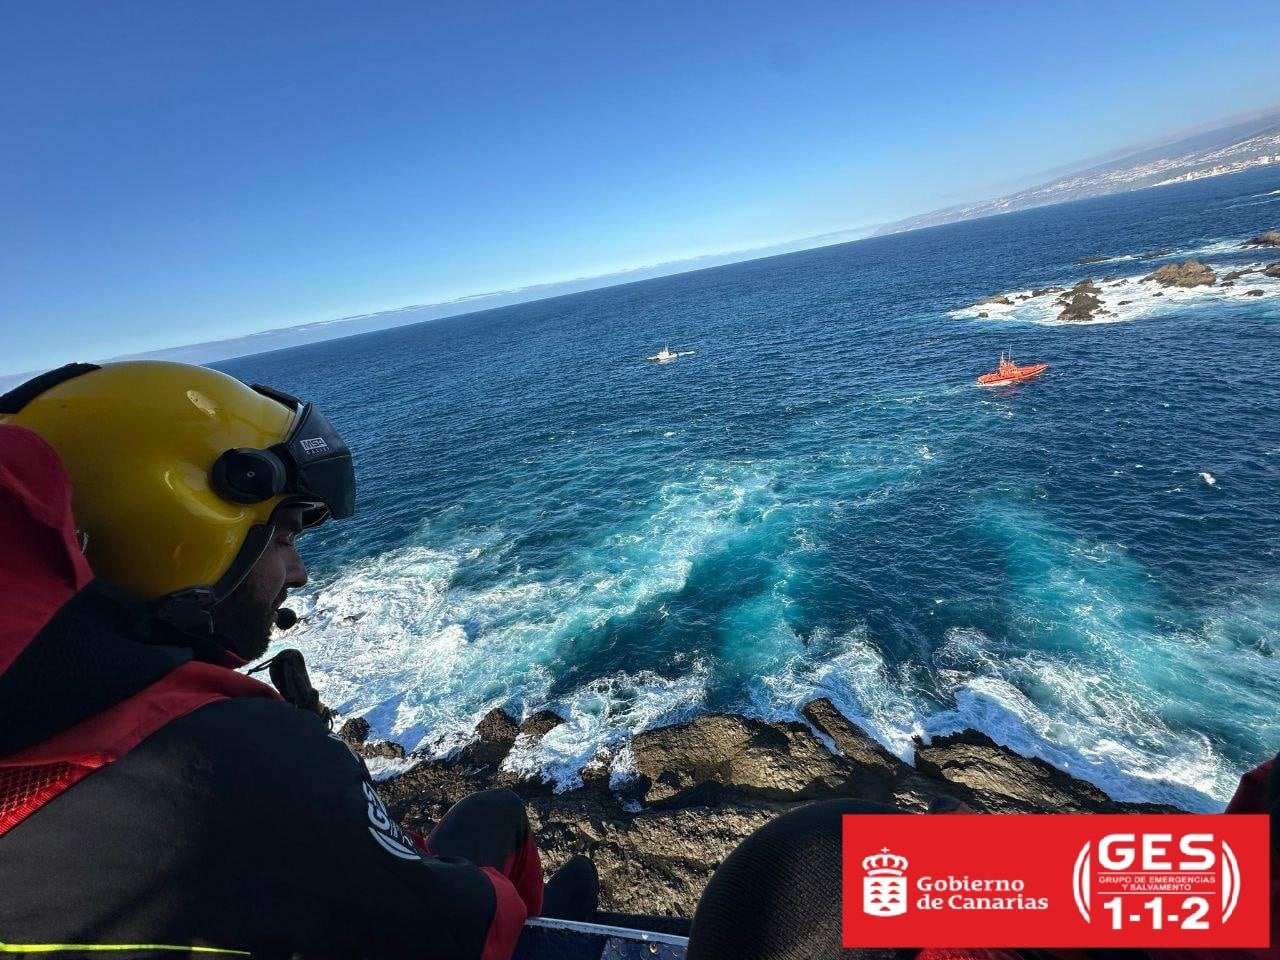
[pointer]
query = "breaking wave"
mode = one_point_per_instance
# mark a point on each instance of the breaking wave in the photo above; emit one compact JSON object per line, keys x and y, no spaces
{"x":1088,"y":678}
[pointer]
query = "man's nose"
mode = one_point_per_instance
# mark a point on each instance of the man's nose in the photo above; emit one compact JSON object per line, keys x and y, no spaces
{"x":296,"y":572}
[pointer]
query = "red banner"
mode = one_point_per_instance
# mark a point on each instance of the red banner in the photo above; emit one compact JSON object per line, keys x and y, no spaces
{"x":1067,"y":880}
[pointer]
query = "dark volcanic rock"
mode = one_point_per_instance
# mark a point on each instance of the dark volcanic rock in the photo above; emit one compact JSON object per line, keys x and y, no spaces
{"x":1081,"y":301}
{"x":1190,"y":273}
{"x":725,"y":755}
{"x":653,"y":862}
{"x":999,"y":298}
{"x":1080,"y":306}
{"x":983,"y":315}
{"x":1269,"y":238}
{"x":1043,"y":290}
{"x":540,"y":724}
{"x":1254,"y":293}
{"x":1273,"y":270}
{"x":714,"y":780}
{"x":380,"y":748}
{"x":880,"y":775}
{"x":1008,"y":780}
{"x":597,"y":772}
{"x":1237,"y":274}
{"x":495,"y":735}
{"x":1084,"y":260}
{"x":1084,"y":286}
{"x":1156,"y":254}
{"x":355,"y":731}
{"x":852,"y":741}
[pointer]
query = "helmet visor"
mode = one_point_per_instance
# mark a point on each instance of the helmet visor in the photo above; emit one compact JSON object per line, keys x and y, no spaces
{"x":319,"y":466}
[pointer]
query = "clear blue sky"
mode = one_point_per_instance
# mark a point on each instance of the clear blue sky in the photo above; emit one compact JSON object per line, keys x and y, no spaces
{"x":174,"y":171}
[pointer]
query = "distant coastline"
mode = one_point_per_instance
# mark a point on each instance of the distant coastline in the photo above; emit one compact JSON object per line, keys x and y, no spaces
{"x":1236,"y":148}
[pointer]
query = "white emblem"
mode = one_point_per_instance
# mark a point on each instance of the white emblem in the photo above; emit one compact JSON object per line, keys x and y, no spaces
{"x":385,"y":830}
{"x":884,"y":888}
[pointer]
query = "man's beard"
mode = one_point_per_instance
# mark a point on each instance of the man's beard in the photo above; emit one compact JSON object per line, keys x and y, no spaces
{"x":243,"y":622}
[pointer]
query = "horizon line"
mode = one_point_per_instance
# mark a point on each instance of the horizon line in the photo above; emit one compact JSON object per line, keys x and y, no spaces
{"x":471,"y":303}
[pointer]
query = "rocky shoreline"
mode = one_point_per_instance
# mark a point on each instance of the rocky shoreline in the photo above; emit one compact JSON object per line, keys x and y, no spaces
{"x":700,"y":787}
{"x":1091,"y":301}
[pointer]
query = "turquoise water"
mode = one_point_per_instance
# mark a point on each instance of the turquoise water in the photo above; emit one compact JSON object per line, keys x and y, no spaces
{"x":820,"y":501}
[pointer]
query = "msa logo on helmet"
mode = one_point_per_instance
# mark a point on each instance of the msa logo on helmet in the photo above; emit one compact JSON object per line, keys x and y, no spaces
{"x":314,"y":445}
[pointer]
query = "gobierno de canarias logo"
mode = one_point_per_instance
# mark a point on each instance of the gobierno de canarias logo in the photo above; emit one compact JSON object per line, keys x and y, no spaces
{"x":884,"y":888}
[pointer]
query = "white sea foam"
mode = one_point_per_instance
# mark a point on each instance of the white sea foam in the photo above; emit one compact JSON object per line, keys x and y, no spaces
{"x":599,"y":719}
{"x":856,"y":679}
{"x":419,"y":644}
{"x":1209,"y":478}
{"x":422,"y":643}
{"x":1091,"y":700}
{"x":380,"y":768}
{"x":1259,"y":200}
{"x":1097,"y":733}
{"x":1211,"y":249}
{"x":396,"y":638}
{"x":1094,"y":707}
{"x":1103,"y":692}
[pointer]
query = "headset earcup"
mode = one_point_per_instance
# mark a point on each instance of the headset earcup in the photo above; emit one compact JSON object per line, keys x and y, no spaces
{"x":248,"y":476}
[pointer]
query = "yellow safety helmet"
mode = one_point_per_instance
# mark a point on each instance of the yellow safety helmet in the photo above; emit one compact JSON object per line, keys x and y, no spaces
{"x":177,"y":471}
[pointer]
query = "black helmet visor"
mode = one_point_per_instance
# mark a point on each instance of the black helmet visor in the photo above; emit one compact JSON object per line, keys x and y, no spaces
{"x":318,"y":466}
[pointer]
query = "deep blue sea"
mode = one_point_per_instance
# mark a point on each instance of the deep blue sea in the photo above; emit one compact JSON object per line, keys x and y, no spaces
{"x":820,"y":501}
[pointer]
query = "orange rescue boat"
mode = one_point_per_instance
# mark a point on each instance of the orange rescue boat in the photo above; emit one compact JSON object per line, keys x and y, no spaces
{"x":1009,"y":372}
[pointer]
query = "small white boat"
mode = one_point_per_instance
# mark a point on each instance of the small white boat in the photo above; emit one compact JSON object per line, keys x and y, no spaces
{"x":666,"y":355}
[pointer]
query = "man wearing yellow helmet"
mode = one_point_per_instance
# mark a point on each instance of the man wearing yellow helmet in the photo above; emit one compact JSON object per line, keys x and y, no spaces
{"x":182,"y":477}
{"x":153,"y":799}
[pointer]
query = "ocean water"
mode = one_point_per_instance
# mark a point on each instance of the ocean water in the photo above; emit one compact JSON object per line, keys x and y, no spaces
{"x":820,"y":501}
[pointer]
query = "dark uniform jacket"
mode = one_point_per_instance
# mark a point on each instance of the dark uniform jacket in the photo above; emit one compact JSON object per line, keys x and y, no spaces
{"x":154,"y":799}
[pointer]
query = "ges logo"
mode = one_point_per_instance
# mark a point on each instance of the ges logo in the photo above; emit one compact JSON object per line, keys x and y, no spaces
{"x":1193,"y":882}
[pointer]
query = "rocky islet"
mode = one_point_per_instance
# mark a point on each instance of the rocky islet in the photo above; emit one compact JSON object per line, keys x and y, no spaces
{"x":1088,"y":300}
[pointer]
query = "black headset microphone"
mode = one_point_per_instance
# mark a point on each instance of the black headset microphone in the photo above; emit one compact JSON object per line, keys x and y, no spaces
{"x":285,"y":618}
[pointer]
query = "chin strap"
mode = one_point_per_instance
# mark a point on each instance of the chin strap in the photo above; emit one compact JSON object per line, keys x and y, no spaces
{"x":188,"y":612}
